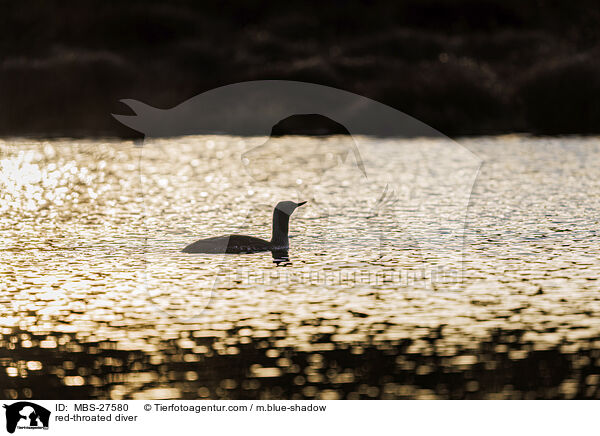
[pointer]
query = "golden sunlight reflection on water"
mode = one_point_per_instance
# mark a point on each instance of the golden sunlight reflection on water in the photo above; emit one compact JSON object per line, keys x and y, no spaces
{"x":97,"y":301}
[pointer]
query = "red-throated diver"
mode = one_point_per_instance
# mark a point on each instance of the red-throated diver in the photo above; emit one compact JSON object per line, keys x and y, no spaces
{"x":240,"y":244}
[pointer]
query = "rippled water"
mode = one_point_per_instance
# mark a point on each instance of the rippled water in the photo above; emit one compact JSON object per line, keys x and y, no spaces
{"x":429,"y":277}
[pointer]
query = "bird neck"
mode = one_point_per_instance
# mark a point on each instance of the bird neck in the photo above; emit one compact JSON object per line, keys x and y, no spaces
{"x":280,"y":229}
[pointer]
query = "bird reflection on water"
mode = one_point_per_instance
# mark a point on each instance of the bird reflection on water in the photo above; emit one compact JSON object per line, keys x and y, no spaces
{"x":281,"y":257}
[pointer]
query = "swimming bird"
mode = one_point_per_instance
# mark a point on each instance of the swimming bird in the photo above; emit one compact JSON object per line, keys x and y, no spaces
{"x":241,"y":244}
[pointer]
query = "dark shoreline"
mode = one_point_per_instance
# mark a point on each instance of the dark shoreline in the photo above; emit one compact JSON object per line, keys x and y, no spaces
{"x":138,"y":139}
{"x":462,"y":67}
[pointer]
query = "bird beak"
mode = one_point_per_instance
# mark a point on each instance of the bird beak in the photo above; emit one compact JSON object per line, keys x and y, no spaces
{"x":300,"y":204}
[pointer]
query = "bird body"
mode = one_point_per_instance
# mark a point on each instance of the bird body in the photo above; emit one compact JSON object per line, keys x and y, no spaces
{"x":242,"y":244}
{"x":231,"y":244}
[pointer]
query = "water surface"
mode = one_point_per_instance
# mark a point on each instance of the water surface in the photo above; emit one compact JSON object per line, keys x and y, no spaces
{"x":429,"y":278}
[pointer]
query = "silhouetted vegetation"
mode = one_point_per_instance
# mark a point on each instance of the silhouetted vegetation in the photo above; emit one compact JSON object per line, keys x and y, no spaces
{"x":462,"y":66}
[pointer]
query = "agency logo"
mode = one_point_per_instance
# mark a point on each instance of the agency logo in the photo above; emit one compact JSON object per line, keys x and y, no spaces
{"x":386,"y":195}
{"x":26,"y":415}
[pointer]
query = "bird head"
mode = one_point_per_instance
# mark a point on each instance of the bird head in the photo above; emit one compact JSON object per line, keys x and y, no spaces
{"x":288,"y":207}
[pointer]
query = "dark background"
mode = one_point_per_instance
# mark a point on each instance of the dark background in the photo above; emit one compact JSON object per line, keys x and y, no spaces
{"x":464,"y":67}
